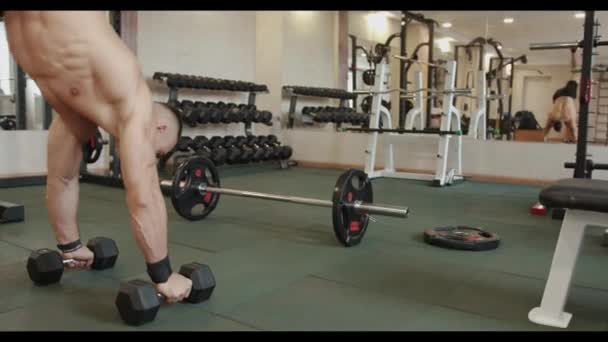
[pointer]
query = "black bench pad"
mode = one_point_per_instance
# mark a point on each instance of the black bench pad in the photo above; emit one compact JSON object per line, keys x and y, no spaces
{"x":576,"y":193}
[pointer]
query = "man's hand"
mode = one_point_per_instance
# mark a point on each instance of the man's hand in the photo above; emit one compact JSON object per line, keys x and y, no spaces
{"x":83,"y":258}
{"x":176,"y":289}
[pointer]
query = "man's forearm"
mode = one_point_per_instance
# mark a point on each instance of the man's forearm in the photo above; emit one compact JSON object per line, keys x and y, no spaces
{"x":148,"y":220}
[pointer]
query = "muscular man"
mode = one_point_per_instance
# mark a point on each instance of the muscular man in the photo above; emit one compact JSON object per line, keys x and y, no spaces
{"x":563,"y":110}
{"x":92,"y":79}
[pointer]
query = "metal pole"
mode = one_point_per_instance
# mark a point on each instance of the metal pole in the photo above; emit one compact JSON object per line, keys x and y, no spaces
{"x":430,"y":73}
{"x":353,"y":62}
{"x":48,"y":115}
{"x":584,"y":95}
{"x":368,"y":208}
{"x":20,"y":108}
{"x":402,"y":71}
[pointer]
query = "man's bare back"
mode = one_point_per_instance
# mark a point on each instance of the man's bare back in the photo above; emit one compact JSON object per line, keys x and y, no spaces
{"x":92,"y":79}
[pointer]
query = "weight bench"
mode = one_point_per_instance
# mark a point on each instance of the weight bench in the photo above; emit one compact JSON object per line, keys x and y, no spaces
{"x":586,"y":204}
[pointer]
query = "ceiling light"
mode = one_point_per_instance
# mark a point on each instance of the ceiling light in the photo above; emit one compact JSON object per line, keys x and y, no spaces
{"x":508,"y":20}
{"x":579,"y":15}
{"x":444,"y":44}
{"x":447,"y":25}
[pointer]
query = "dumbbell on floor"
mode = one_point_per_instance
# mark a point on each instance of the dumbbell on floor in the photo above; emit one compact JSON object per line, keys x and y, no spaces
{"x":138,"y":301}
{"x":46,"y":266}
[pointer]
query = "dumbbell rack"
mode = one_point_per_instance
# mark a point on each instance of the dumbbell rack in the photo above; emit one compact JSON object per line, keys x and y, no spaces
{"x":175,"y":82}
{"x":179,"y":81}
{"x":295,"y":92}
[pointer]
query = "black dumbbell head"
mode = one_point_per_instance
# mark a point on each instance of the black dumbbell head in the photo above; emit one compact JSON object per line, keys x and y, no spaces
{"x":106,"y":252}
{"x":258,"y":154}
{"x":45,"y":267}
{"x":203,"y":281}
{"x":137,"y":302}
{"x":233,"y":155}
{"x":218,"y":156}
{"x":246,"y":154}
{"x":285,"y":152}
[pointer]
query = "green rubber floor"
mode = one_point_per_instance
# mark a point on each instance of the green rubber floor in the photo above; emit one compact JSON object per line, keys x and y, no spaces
{"x":278,"y":266}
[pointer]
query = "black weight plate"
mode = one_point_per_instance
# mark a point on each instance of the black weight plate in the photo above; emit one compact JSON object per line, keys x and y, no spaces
{"x":187,"y":200}
{"x":349,"y":224}
{"x":92,"y":149}
{"x":462,"y":238}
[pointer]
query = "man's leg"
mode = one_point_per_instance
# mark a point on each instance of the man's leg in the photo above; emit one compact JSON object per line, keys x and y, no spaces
{"x":570,"y":131}
{"x":64,"y":154}
{"x":548,"y":125}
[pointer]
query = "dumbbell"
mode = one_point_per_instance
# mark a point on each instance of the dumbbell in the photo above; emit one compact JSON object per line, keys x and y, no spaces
{"x":138,"y":301}
{"x":45,"y":266}
{"x":228,"y":114}
{"x":190,"y":116}
{"x":202,"y":148}
{"x":266,"y":117}
{"x":272,"y":149}
{"x":235,"y":114}
{"x":259,"y":151}
{"x":246,"y":114}
{"x":204,"y":110}
{"x":233,"y":155}
{"x":261,"y":148}
{"x":217,"y":112}
{"x":246,"y":151}
{"x":282,"y":152}
{"x":184,"y":144}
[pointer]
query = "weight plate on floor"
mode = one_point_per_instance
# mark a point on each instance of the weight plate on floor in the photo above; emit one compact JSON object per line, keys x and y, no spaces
{"x":186,"y":198}
{"x":349,"y":224}
{"x":462,"y":238}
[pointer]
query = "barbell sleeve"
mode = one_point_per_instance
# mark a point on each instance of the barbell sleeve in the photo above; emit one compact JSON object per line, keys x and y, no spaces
{"x":554,"y":46}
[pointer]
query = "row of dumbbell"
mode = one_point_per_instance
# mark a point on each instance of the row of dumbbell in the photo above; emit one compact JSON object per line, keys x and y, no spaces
{"x":199,"y":82}
{"x":322,"y":92}
{"x":8,"y":124}
{"x":236,"y":150}
{"x":336,"y":115}
{"x":211,"y":112}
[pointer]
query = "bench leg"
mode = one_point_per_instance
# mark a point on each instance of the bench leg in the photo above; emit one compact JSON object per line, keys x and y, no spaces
{"x":551,"y":309}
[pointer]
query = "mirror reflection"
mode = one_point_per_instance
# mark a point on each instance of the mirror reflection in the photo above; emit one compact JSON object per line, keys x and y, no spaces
{"x":513,"y":91}
{"x":22,"y":106}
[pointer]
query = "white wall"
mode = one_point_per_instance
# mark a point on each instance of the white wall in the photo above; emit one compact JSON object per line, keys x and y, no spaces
{"x":220,"y":44}
{"x":22,"y":153}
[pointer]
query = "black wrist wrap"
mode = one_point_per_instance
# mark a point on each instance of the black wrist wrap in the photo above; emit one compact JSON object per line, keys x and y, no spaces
{"x":160,"y":271}
{"x":70,"y":246}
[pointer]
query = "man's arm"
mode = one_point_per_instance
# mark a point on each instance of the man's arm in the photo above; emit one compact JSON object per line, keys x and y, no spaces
{"x":145,"y":202}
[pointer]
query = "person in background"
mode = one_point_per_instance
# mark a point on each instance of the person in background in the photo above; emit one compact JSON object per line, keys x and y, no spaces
{"x":563,"y":112}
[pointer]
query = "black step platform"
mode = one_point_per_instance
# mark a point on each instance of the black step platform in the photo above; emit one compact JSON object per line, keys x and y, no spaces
{"x":11,"y":212}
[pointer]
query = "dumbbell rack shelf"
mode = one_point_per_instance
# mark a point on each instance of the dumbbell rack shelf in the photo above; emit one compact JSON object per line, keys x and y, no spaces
{"x":295,"y":92}
{"x":180,"y":81}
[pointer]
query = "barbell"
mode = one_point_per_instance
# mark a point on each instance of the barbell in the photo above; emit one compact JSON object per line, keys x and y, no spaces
{"x":195,"y":191}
